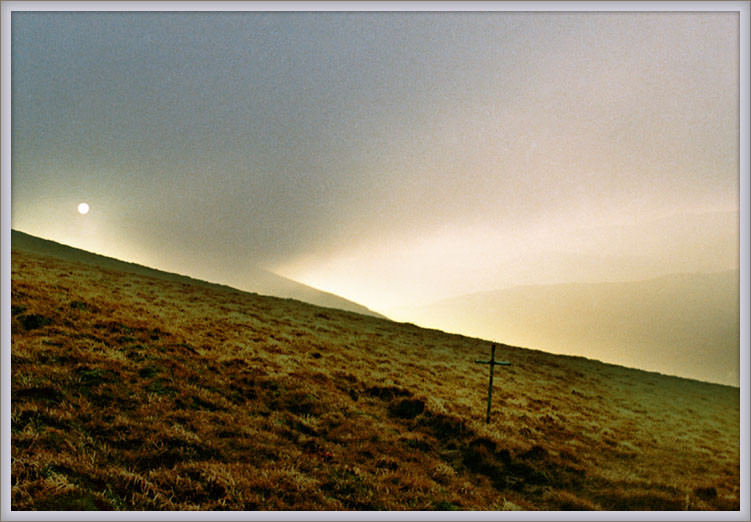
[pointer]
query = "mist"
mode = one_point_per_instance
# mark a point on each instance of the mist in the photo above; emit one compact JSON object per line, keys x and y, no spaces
{"x":391,"y":158}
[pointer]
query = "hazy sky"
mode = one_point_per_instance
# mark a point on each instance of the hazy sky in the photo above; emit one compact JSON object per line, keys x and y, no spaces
{"x":392,"y":158}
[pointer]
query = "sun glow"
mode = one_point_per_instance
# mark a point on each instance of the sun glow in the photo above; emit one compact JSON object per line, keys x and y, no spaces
{"x":83,"y":208}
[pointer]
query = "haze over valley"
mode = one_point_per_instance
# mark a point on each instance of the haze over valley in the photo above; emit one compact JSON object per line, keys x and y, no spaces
{"x":681,"y":324}
{"x":685,"y":324}
{"x":250,"y":278}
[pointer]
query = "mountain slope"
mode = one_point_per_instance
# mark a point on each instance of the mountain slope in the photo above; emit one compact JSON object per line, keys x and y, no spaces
{"x":253,"y":279}
{"x":681,"y":324}
{"x":132,"y":392}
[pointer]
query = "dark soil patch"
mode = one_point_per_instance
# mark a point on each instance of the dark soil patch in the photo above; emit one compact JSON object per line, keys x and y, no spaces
{"x":536,"y":453}
{"x":406,"y":408}
{"x":34,"y":321}
{"x":706,"y":493}
{"x":45,"y":393}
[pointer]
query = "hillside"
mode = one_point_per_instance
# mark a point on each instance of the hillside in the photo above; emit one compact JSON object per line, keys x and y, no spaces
{"x":681,"y":324}
{"x":132,"y":392}
{"x":253,"y":279}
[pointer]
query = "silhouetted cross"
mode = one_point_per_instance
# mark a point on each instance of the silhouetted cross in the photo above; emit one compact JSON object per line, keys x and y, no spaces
{"x":492,"y":362}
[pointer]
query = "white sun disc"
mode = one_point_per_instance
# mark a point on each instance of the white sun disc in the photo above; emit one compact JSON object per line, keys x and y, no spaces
{"x":83,"y":208}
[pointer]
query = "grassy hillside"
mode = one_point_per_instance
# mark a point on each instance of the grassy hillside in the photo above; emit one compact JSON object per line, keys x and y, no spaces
{"x":136,"y":393}
{"x":250,"y":277}
{"x":684,"y":324}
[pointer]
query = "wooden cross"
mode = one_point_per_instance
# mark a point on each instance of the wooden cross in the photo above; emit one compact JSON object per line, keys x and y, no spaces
{"x":492,"y":362}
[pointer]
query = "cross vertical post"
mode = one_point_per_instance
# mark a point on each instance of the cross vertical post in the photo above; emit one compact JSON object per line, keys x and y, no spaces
{"x":490,"y":384}
{"x":492,"y":362}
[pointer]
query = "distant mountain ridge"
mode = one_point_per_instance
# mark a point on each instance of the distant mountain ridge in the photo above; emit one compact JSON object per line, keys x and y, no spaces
{"x":255,"y":279}
{"x":679,"y":324}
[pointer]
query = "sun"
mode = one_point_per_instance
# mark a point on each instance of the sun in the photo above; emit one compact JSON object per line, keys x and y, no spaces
{"x":83,"y":208}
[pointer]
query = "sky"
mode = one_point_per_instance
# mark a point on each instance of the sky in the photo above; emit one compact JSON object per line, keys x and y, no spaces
{"x":394,"y":159}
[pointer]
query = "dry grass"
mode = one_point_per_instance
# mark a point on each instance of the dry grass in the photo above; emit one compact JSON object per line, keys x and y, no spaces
{"x":131,"y":393}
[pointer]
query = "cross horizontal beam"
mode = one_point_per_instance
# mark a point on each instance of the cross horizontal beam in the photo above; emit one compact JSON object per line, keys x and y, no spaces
{"x":502,"y":363}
